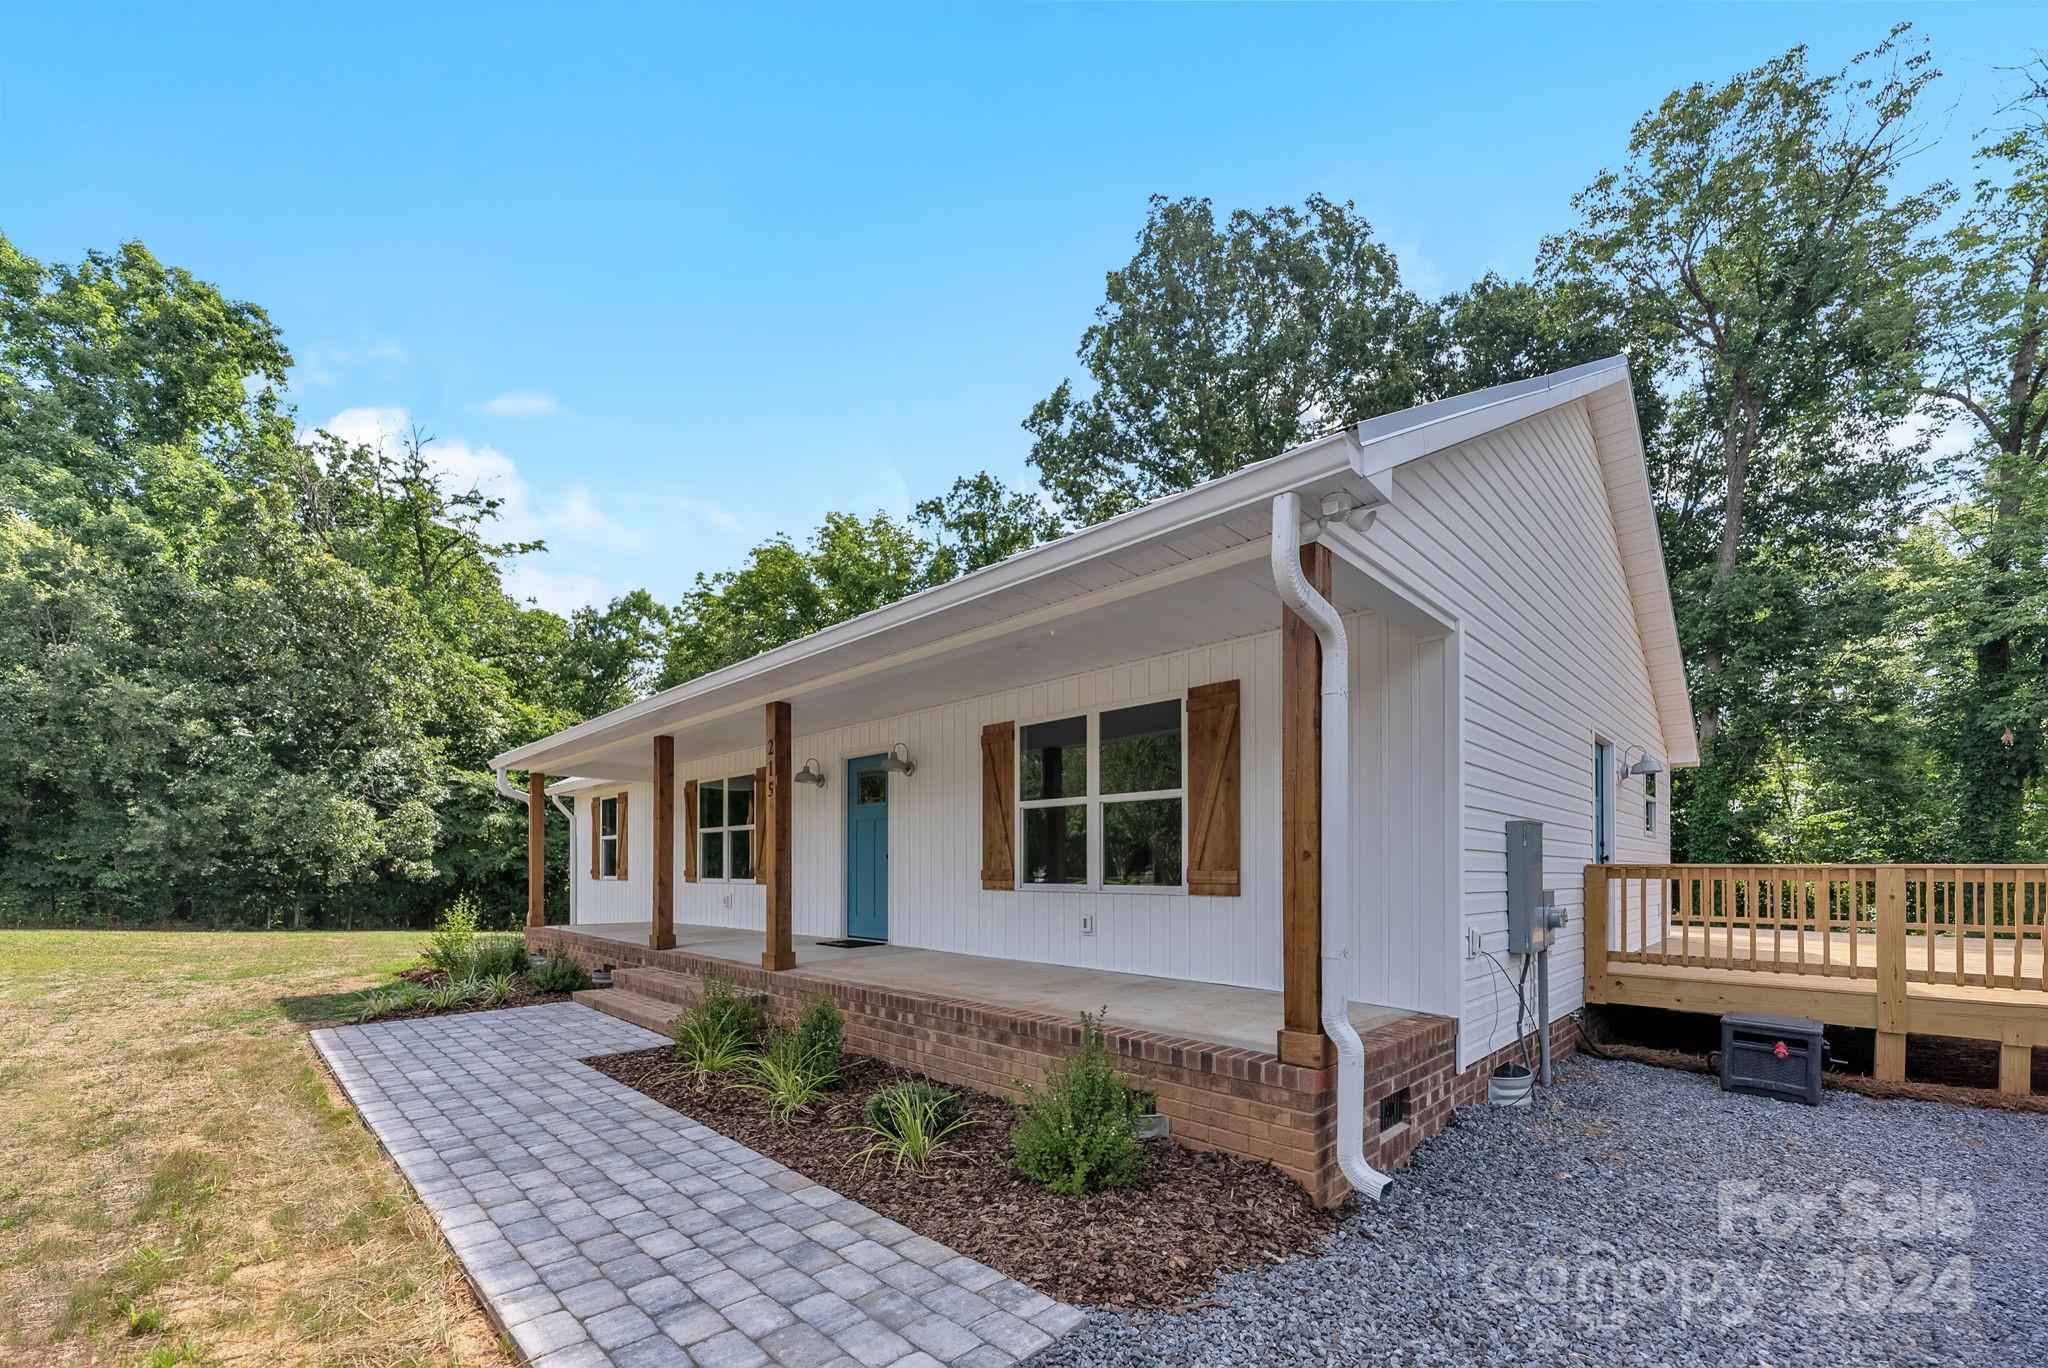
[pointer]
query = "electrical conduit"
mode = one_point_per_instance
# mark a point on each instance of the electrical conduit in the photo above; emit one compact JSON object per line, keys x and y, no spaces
{"x":1321,"y":615}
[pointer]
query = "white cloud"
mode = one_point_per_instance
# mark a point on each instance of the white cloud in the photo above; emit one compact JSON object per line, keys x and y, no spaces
{"x":521,"y":404}
{"x":558,"y":593}
{"x":322,"y":363}
{"x":713,"y":512}
{"x":578,"y":515}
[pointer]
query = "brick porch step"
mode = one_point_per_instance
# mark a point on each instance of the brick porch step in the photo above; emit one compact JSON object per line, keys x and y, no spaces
{"x":659,"y":985}
{"x":626,"y":1005}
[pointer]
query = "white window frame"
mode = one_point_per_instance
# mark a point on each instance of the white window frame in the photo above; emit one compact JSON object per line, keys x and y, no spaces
{"x":1605,"y":783}
{"x":1649,"y":805}
{"x":611,"y":799}
{"x":1094,"y":800}
{"x":724,"y":832}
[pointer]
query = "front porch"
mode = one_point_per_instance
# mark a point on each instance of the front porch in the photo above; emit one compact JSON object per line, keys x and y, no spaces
{"x":1206,"y":1049}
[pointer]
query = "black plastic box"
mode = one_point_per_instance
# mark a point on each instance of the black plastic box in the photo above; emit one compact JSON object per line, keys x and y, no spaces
{"x":1772,"y":1056}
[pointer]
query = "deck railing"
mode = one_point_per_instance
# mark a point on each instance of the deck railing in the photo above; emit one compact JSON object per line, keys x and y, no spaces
{"x":1968,"y":925}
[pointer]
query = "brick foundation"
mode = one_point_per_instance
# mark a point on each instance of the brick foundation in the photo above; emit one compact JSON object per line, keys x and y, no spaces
{"x":1221,"y":1097}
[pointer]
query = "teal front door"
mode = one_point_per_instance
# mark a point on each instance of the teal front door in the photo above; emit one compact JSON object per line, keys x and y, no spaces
{"x":867,"y":848}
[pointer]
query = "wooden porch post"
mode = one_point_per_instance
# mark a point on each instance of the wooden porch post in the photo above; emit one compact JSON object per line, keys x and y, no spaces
{"x":662,"y":935}
{"x":536,"y":848}
{"x":1594,"y":914}
{"x":1301,"y":829}
{"x":1890,"y":1063}
{"x":780,"y":952}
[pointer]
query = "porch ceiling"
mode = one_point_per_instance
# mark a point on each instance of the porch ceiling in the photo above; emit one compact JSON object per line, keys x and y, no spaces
{"x":1220,"y":596}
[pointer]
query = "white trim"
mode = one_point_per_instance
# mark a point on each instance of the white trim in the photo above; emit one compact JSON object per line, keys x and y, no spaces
{"x":725,"y":859}
{"x":613,"y":840}
{"x":1093,"y":799}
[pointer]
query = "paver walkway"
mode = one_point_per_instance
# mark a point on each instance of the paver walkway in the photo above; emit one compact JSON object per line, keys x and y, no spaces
{"x":606,"y":1228}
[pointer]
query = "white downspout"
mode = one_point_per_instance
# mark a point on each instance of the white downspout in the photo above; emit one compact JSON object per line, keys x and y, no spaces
{"x":518,"y":795}
{"x":1321,"y":614}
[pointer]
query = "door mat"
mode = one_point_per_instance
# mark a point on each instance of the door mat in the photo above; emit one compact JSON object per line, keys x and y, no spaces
{"x":851,"y":943}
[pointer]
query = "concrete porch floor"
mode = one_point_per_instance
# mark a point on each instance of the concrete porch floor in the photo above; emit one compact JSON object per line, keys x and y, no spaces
{"x":1248,"y":1018}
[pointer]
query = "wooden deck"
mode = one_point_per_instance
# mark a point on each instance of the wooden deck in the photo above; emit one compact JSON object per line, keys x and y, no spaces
{"x":1897,"y":949}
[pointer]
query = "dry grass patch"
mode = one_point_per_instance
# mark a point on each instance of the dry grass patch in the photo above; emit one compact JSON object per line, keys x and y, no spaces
{"x":177,"y":1183}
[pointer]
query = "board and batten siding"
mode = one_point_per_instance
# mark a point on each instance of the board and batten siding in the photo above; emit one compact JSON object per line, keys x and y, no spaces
{"x":1511,"y":536}
{"x":614,"y":900}
{"x":935,"y":896}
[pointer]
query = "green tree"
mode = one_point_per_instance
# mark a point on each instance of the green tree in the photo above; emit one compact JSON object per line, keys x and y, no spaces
{"x":1767,"y":267}
{"x":850,"y":566}
{"x":980,"y":521}
{"x":1988,"y":573}
{"x":207,"y":716}
{"x":1219,"y":346}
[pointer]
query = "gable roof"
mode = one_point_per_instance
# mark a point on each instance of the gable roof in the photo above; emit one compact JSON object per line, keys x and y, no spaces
{"x":1216,"y":530}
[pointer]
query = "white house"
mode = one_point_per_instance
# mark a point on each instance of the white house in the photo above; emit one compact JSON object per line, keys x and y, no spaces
{"x":1102,"y":754}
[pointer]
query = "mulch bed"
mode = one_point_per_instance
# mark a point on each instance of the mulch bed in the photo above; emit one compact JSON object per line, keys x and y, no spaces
{"x":1160,"y":1243}
{"x":523,"y":995}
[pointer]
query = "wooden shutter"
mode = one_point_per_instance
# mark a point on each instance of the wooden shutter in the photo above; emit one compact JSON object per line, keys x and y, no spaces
{"x":622,"y":836}
{"x":999,"y":805}
{"x":690,"y":831}
{"x":764,"y":816}
{"x":1213,"y":787}
{"x":593,"y":807}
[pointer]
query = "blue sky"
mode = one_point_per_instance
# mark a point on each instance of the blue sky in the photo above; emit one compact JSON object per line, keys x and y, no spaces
{"x":676,"y":279}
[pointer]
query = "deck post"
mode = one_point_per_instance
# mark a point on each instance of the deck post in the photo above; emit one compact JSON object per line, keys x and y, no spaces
{"x":2015,"y":1064}
{"x":780,"y":951}
{"x":1594,"y":914}
{"x":1302,"y":1041}
{"x":662,"y":934}
{"x":1890,"y":1063}
{"x":536,"y":848}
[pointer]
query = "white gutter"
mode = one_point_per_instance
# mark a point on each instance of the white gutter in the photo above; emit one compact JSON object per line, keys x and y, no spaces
{"x":1321,"y":614}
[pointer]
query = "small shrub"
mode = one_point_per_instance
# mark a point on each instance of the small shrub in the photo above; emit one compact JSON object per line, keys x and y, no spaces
{"x":452,"y":947}
{"x":1079,"y":1134}
{"x":372,"y":1005}
{"x":495,"y":990}
{"x":909,"y":1123}
{"x":705,"y":1047}
{"x":719,"y":1031}
{"x":788,"y":1076}
{"x":944,"y":1103}
{"x":820,"y":1031}
{"x":406,"y":996}
{"x":560,"y":975}
{"x":741,"y":1014}
{"x":453,"y":993}
{"x":498,"y":955}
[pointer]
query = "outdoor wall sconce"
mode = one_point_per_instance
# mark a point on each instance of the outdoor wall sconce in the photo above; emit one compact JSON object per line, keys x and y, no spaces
{"x":1644,"y":765}
{"x":898,"y":760}
{"x":810,"y":773}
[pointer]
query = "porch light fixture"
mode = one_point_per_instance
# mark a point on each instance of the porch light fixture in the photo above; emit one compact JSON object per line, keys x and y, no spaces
{"x":1644,"y":765}
{"x":898,"y":760}
{"x":810,"y":773}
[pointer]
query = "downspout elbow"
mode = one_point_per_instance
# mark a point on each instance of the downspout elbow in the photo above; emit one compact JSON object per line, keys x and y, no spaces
{"x":1322,"y":616}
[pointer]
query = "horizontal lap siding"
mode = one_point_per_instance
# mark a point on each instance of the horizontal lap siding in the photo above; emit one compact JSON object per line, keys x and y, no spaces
{"x":1513,"y":534}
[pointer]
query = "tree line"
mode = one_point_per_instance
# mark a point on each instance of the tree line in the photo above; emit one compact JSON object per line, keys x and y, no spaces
{"x":254,"y":676}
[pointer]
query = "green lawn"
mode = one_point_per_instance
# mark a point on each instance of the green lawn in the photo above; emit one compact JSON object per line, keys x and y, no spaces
{"x":178,"y":1184}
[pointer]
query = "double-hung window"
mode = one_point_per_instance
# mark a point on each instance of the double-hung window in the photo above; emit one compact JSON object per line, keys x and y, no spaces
{"x":725,"y":828}
{"x":608,"y":838}
{"x":1100,"y":798}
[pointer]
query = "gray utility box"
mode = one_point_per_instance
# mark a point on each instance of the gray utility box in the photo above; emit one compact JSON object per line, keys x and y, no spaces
{"x":1772,"y":1056}
{"x":1533,"y":914}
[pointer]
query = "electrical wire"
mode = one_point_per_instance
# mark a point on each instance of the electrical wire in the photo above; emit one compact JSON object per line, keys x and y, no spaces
{"x":1520,"y":988}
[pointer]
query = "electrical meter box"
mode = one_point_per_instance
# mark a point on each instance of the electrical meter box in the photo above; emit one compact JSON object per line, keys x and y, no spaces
{"x":1533,"y":915}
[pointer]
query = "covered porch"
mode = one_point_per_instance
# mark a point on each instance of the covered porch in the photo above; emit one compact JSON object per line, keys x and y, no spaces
{"x":1210,"y":1013}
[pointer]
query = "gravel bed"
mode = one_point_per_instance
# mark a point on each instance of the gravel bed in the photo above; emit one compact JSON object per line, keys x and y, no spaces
{"x":1641,"y":1215}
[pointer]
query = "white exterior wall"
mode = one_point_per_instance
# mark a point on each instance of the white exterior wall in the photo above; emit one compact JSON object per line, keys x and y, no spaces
{"x":614,"y":900}
{"x":1511,"y":537}
{"x":935,"y":896}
